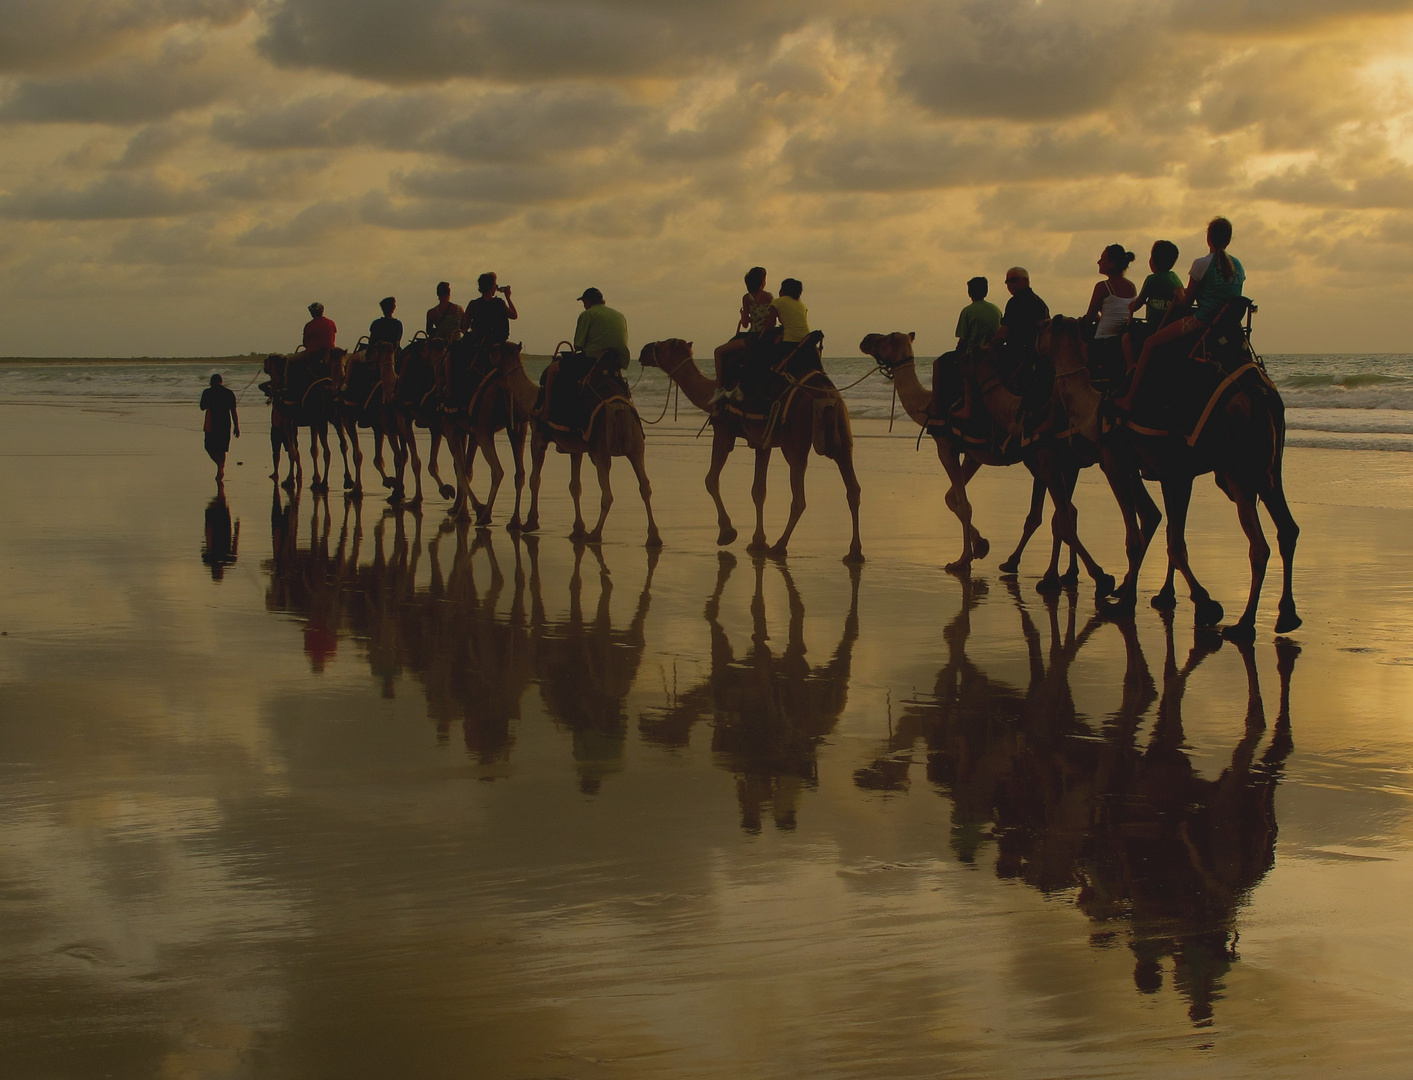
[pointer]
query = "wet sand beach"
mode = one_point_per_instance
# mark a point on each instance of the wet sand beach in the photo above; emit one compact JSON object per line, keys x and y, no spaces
{"x":292,"y":787}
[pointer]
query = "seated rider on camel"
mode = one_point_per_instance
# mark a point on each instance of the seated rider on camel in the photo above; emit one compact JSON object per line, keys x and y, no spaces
{"x":600,"y":341}
{"x":386,"y":330}
{"x":319,"y":334}
{"x":1014,"y":343}
{"x":1109,"y":312}
{"x":976,"y":329}
{"x":1161,"y":293}
{"x":756,"y":320}
{"x":487,"y":318}
{"x":444,"y":321}
{"x":1213,"y":280}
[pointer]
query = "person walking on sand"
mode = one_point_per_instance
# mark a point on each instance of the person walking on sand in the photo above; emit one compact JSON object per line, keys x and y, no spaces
{"x":222,"y":421}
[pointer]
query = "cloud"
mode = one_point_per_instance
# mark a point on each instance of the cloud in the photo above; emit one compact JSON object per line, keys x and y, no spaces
{"x":115,"y":196}
{"x":1389,"y":188}
{"x":424,"y":41}
{"x":39,"y":34}
{"x":1020,"y":61}
{"x":131,"y":90}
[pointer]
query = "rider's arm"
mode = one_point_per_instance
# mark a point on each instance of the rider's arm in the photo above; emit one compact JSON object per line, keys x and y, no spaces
{"x":1139,"y":300}
{"x":1095,"y":302}
{"x":581,"y":330}
{"x":744,"y":322}
{"x":235,"y":422}
{"x":510,"y":304}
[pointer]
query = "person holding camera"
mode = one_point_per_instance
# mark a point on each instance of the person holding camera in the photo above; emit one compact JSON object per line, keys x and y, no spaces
{"x":487,"y":318}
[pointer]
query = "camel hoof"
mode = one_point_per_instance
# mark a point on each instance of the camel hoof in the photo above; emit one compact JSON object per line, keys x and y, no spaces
{"x":356,"y":494}
{"x":1103,"y":586}
{"x":654,"y":540}
{"x":1208,"y":613}
{"x":531,"y":525}
{"x":758,"y":547}
{"x":1050,"y":583}
{"x":483,"y":521}
{"x":288,"y":485}
{"x":348,"y":483}
{"x":1118,"y":607}
{"x":854,"y":558}
{"x":1009,"y":568}
{"x":777,"y":551}
{"x":1241,"y":633}
{"x":1164,"y":600}
{"x":446,"y":491}
{"x":388,"y":482}
{"x":1070,"y":579}
{"x":1289,"y":621}
{"x":980,"y":548}
{"x":593,"y":539}
{"x":726,"y":538}
{"x":961,"y":567}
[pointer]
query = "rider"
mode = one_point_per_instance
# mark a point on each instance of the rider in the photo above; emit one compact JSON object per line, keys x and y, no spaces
{"x":487,"y":318}
{"x":600,"y":338}
{"x":1015,"y":340}
{"x":976,"y":328}
{"x":756,"y":319}
{"x":387,"y":329}
{"x":1213,"y":280}
{"x":319,"y":332}
{"x":1109,"y":308}
{"x":1161,"y":292}
{"x":444,"y":320}
{"x":793,"y":315}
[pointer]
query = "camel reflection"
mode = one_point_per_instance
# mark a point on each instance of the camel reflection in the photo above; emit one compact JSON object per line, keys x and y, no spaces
{"x":439,"y":613}
{"x":769,"y":713}
{"x":1148,"y":845}
{"x":586,"y":669}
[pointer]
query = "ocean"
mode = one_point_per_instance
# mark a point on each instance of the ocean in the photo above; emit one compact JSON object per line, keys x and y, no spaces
{"x":1344,"y":401}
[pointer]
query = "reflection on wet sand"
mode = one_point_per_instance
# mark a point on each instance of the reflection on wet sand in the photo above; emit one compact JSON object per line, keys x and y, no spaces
{"x":221,"y":543}
{"x":768,"y":713}
{"x":1149,"y":847}
{"x":474,"y":663}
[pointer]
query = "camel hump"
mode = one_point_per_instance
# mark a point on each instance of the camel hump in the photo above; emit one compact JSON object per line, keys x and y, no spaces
{"x":621,"y":428}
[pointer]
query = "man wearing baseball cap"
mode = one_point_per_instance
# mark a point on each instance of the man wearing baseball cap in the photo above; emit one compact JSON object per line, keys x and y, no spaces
{"x":600,"y":339}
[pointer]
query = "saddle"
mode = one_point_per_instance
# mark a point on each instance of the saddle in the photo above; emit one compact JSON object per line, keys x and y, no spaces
{"x":772,"y":369}
{"x":471,"y":371}
{"x":582,"y":390}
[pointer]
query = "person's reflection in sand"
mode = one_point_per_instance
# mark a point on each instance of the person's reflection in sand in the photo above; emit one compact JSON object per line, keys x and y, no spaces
{"x":769,"y":713}
{"x":221,"y":545}
{"x":586,"y":669}
{"x":1141,"y":837}
{"x":308,"y":582}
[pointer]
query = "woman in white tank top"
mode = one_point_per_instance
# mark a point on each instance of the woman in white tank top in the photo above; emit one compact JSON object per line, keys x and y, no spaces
{"x":1108,"y":307}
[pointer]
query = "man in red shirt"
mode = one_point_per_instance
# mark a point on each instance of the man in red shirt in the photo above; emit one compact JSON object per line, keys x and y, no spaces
{"x":319,"y":332}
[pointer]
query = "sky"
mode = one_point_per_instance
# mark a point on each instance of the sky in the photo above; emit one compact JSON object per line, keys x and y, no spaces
{"x":182,"y":177}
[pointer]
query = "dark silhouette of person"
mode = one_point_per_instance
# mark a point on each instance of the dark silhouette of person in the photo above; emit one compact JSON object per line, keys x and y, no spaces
{"x":220,"y":547}
{"x":219,"y":404}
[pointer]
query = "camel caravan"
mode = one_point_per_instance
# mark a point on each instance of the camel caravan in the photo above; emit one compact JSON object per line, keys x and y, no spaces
{"x":1167,"y":398}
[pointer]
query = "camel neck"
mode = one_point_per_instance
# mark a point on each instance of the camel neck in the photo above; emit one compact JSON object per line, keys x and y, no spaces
{"x":915,"y":398}
{"x":698,"y":388}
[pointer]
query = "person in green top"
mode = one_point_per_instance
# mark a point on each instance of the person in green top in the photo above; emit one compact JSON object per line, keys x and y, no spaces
{"x":976,"y":329}
{"x":1161,"y":292}
{"x":600,"y":339}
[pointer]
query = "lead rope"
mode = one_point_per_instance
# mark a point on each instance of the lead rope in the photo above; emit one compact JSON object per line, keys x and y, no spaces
{"x":893,"y":409}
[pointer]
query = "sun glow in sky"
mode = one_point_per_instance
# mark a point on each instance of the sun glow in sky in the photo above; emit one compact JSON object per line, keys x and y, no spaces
{"x":184,"y":176}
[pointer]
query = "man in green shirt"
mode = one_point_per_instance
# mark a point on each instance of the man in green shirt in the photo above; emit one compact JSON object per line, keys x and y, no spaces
{"x":979,"y":320}
{"x":600,"y":340}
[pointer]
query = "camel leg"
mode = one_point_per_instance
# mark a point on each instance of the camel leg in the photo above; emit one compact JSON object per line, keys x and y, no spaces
{"x":1071,"y":575}
{"x":355,"y":488}
{"x":486,"y":442}
{"x":646,"y":491}
{"x":461,"y":467}
{"x":1260,"y":554}
{"x":798,"y":458}
{"x":1140,"y":519}
{"x":1033,"y":518}
{"x":277,"y":443}
{"x":1177,"y":496}
{"x":397,"y":439}
{"x":538,"y":446}
{"x":328,"y":453}
{"x":603,"y":464}
{"x":851,"y":494}
{"x":1165,"y":599}
{"x":958,"y":473}
{"x":445,"y":490}
{"x":722,"y":443}
{"x":378,"y":463}
{"x":410,"y":448}
{"x":343,"y":449}
{"x":758,"y":487}
{"x":576,"y":489}
{"x":516,"y":434}
{"x":1287,"y":532}
{"x":1064,"y":524}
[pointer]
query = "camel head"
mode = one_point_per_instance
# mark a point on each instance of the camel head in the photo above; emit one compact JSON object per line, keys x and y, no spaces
{"x":1059,"y":342}
{"x":666,"y":355}
{"x":507,"y":354}
{"x":888,"y":350}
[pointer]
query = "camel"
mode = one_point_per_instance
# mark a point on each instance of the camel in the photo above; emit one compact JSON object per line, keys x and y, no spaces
{"x":616,"y":432}
{"x":417,"y":395}
{"x":1048,"y":460}
{"x":1241,"y":442}
{"x":472,"y":426}
{"x":363,"y":401}
{"x":813,"y":416}
{"x":305,"y":398}
{"x":768,"y":712}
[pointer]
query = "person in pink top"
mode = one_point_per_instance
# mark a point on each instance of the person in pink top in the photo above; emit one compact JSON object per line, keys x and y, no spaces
{"x":319,"y":332}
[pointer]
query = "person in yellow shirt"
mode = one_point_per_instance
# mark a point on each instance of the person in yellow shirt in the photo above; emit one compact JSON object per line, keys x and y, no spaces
{"x":790,"y":310}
